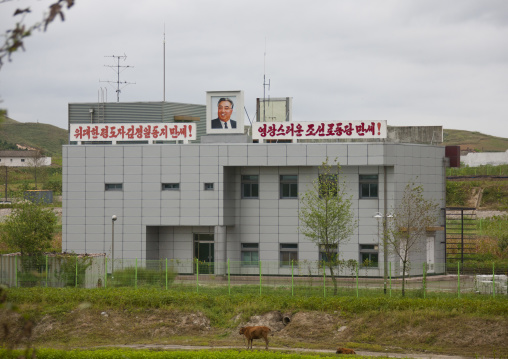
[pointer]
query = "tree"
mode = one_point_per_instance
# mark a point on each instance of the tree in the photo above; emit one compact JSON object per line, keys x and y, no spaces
{"x":36,"y":162}
{"x":29,"y":228}
{"x":406,"y":231}
{"x":325,"y":215}
{"x":14,"y":38}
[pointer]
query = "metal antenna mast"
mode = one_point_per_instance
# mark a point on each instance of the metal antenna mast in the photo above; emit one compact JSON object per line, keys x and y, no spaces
{"x":164,"y":66}
{"x":264,"y":85}
{"x":118,"y":82}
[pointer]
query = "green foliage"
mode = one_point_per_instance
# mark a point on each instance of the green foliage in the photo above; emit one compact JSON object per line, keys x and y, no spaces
{"x":166,"y":354}
{"x":131,"y":276}
{"x":49,"y":138}
{"x":221,"y":306}
{"x":66,"y":269}
{"x":55,"y":185}
{"x":326,"y":217}
{"x":457,"y":193}
{"x":29,"y":228}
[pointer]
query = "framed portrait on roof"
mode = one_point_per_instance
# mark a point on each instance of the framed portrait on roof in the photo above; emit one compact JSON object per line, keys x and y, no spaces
{"x":224,"y":112}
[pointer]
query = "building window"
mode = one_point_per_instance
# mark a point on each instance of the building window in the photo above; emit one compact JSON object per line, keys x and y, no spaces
{"x":288,"y":253}
{"x":331,"y":257}
{"x":114,"y":186}
{"x":288,"y":186}
{"x":250,"y":186}
{"x":208,"y":186}
{"x":22,"y":160}
{"x":369,"y":255}
{"x":171,"y":186}
{"x":368,"y":186}
{"x":328,"y":184}
{"x":250,"y":254}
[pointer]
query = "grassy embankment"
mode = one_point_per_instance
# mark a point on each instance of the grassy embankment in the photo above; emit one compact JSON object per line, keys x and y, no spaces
{"x":69,"y":318}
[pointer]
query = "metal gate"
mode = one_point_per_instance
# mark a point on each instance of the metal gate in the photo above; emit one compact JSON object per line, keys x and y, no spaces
{"x":460,"y":233}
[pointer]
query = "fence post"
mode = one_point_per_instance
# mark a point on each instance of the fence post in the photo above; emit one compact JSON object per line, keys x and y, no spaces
{"x":136,"y":275}
{"x":197,"y":276}
{"x":292,"y":282}
{"x":229,"y":279}
{"x":458,"y":279}
{"x":324,"y":280}
{"x":357,"y":280}
{"x":493,"y":280}
{"x":76,"y":271}
{"x":166,"y":274}
{"x":259,"y":277}
{"x":390,"y":265}
{"x":424,"y":279}
{"x":106,"y":272}
{"x":46,"y":270}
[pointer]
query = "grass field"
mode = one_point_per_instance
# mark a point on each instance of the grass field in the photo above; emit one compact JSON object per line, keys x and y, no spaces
{"x":70,"y":318}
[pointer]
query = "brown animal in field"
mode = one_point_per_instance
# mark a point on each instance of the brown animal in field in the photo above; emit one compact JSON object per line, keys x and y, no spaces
{"x":345,"y":351}
{"x":258,"y":332}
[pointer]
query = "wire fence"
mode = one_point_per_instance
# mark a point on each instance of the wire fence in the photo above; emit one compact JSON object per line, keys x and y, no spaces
{"x":304,"y":278}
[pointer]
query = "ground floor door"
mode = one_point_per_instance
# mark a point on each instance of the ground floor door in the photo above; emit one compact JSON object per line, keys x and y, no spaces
{"x":204,"y":253}
{"x":430,"y":254}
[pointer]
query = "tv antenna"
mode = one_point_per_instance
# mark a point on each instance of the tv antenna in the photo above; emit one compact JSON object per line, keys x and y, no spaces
{"x":118,"y":82}
{"x":264,"y":85}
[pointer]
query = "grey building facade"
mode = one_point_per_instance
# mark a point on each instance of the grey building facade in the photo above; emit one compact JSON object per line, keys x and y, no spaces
{"x":230,"y":199}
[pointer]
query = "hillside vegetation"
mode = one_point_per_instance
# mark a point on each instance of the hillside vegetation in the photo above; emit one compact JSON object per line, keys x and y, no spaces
{"x":47,"y":138}
{"x":474,"y":141}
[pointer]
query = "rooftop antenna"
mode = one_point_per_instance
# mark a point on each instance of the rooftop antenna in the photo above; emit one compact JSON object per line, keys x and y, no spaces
{"x":164,"y":65}
{"x":118,"y":82}
{"x":264,"y":85}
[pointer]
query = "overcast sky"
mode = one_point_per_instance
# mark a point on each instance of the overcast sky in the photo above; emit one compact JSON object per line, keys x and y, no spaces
{"x":409,"y":62}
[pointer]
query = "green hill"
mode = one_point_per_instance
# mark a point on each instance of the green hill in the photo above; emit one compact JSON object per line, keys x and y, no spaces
{"x":477,"y":141}
{"x":47,"y":138}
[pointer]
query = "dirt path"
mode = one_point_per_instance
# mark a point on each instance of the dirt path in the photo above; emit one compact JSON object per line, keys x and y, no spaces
{"x":298,"y":350}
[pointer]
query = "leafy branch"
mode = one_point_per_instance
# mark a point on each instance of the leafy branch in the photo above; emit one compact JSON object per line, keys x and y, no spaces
{"x":14,"y":38}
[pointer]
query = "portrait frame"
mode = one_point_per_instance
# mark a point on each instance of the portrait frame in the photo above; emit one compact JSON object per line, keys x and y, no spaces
{"x":212,"y":99}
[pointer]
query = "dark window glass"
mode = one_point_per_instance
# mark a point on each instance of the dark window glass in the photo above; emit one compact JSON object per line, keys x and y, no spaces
{"x":114,"y":187}
{"x":288,"y":186}
{"x":250,"y":186}
{"x":170,"y":186}
{"x":368,"y":186}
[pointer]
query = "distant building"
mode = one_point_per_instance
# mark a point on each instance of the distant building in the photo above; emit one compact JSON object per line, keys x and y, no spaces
{"x":223,"y":197}
{"x":22,"y":159}
{"x":485,"y":158}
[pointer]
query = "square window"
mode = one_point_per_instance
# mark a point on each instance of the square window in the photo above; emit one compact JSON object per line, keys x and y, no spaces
{"x":250,"y":254}
{"x":250,"y":186}
{"x":368,"y":186}
{"x":171,"y":186}
{"x":114,"y":186}
{"x":369,"y":255}
{"x":208,"y":186}
{"x":288,"y":186}
{"x":288,"y":254}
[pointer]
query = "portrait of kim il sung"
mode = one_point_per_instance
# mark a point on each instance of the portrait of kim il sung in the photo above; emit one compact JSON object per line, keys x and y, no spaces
{"x":224,"y":112}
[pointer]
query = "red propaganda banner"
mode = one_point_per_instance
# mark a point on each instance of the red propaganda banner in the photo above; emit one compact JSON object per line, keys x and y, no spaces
{"x":318,"y":130}
{"x":133,"y":132}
